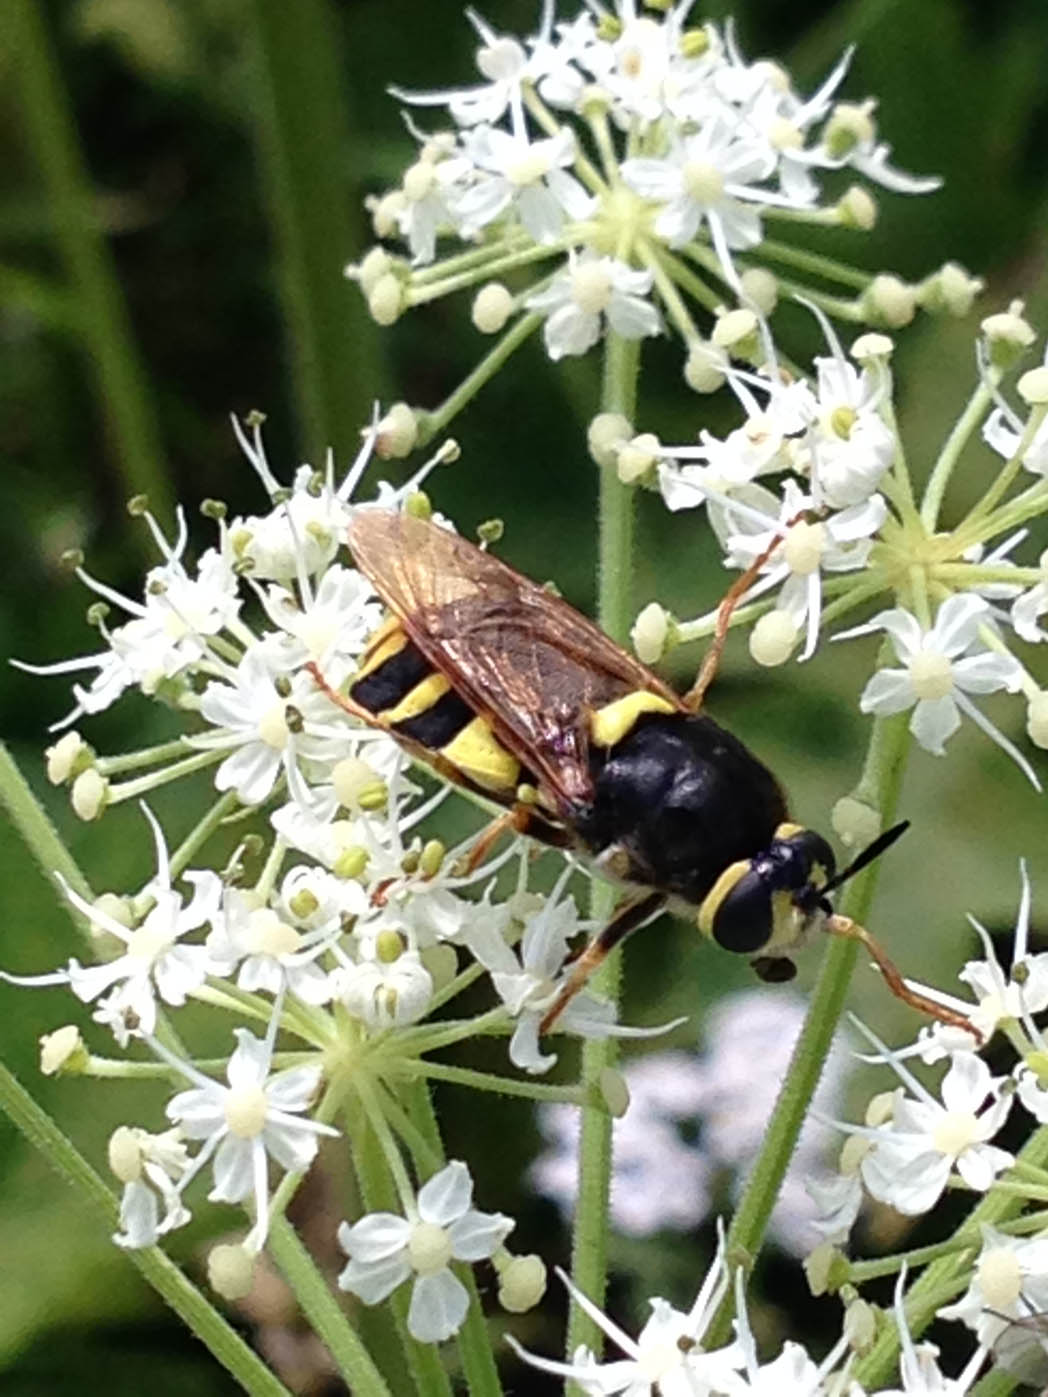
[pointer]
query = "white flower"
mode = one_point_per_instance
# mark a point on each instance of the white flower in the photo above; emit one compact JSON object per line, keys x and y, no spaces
{"x":938,"y":675}
{"x":529,"y":982}
{"x":335,"y":622}
{"x":918,"y":1368}
{"x":850,"y":445}
{"x":385,"y":993}
{"x":168,"y":631}
{"x":261,"y":715}
{"x":155,"y":960}
{"x":151,"y":1168}
{"x":385,"y":1249}
{"x":749,"y":521}
{"x":1010,"y":1281}
{"x":1003,"y":430}
{"x":589,"y":291}
{"x":529,"y":176}
{"x":708,"y":178}
{"x":255,"y":1117}
{"x":666,"y":1358}
{"x":926,"y":1140}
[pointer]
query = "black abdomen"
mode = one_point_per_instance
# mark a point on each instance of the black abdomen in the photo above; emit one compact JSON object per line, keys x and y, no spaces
{"x":685,"y":799}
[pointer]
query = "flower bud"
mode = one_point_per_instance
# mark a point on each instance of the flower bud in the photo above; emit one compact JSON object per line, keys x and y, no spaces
{"x":855,"y":823}
{"x":389,"y":946}
{"x":999,"y":1278}
{"x":385,"y":300}
{"x":857,"y":208}
{"x":492,"y":307}
{"x":881,"y":1108}
{"x":950,"y":289}
{"x":231,"y":1270}
{"x":1033,"y":387}
{"x":432,"y":857}
{"x":653,"y":633}
{"x":860,"y":1325}
{"x":889,"y":301}
{"x":853,"y":1152}
{"x":614,"y":1092}
{"x":606,"y":435}
{"x":386,"y":211}
{"x":705,"y":367}
{"x":397,"y":434}
{"x":522,"y":1283}
{"x":372,"y":268}
{"x":636,"y":459}
{"x":826,"y":1269}
{"x":62,"y":1052}
{"x":350,"y":777}
{"x":1037,"y":719}
{"x":90,"y":794}
{"x":67,"y":758}
{"x":125,"y":1154}
{"x":761,"y":289}
{"x":1008,"y":335}
{"x":773,"y":638}
{"x":738,"y":332}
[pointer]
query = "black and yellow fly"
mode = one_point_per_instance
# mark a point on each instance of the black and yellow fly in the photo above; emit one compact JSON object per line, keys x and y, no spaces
{"x":506,"y":690}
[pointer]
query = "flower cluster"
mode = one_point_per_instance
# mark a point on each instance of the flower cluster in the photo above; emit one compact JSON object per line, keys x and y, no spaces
{"x":915,"y":1143}
{"x":342,"y":928}
{"x":634,"y":161}
{"x":847,"y":528}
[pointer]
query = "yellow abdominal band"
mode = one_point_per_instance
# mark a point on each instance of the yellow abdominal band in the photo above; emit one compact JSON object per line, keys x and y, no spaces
{"x":478,"y":754}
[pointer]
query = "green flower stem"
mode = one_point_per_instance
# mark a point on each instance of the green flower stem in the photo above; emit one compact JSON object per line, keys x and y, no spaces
{"x":546,"y":121}
{"x":145,"y":756}
{"x":428,"y":1160}
{"x":948,"y":1272}
{"x":325,"y":1314}
{"x":430,"y":424}
{"x":142,"y":785}
{"x":476,"y":259}
{"x":232,"y":999}
{"x":835,"y":306}
{"x":614,"y":612}
{"x":882,"y":776}
{"x":978,"y":405}
{"x":967,"y":1239}
{"x":38,"y":833}
{"x":44,"y":299}
{"x":202,"y":831}
{"x":813,"y":262}
{"x":167,"y":1280}
{"x":675,"y":304}
{"x":306,"y":154}
{"x":1017,"y":511}
{"x":682,"y":274}
{"x":378,"y":1194}
{"x":474,"y":1341}
{"x":105,"y":331}
{"x":490,"y":1081}
{"x":454,"y":987}
{"x":427,"y":1039}
{"x":534,"y":252}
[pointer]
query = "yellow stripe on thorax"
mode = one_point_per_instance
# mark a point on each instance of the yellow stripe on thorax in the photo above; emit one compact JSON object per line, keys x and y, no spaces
{"x":383,"y":644}
{"x":478,"y":754}
{"x":417,"y":700}
{"x":611,"y":723}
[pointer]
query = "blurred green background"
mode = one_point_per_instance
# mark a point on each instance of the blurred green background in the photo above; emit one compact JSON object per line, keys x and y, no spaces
{"x":222,"y":149}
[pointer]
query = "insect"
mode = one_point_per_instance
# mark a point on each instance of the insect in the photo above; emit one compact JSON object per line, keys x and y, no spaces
{"x":1021,"y":1346}
{"x":506,"y":690}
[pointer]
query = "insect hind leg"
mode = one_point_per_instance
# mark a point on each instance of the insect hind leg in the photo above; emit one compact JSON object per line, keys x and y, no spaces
{"x":627,"y":917}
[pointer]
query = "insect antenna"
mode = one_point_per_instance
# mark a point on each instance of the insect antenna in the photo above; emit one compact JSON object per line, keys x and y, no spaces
{"x":839,"y":925}
{"x":866,"y":856}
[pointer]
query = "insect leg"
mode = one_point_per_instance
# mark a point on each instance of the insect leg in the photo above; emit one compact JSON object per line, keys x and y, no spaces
{"x":838,"y":925}
{"x":520,"y":819}
{"x":711,"y":660}
{"x":627,"y":917}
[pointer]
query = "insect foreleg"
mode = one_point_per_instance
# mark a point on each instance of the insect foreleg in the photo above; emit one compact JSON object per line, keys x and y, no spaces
{"x":628,"y":916}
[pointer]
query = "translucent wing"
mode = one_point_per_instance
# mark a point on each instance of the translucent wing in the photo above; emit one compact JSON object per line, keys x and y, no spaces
{"x":518,"y":655}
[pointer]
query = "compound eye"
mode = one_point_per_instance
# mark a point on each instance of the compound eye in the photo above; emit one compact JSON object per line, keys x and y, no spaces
{"x":743,"y":921}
